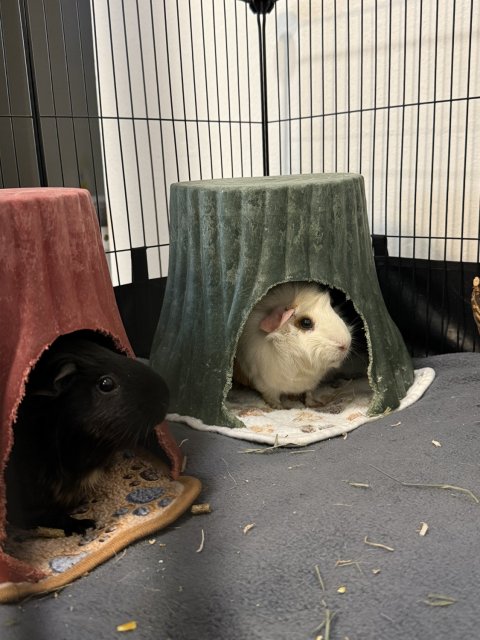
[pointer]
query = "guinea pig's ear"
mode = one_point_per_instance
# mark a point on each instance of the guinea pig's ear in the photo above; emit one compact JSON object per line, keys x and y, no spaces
{"x":62,"y":380}
{"x":64,"y":377}
{"x":276,"y":319}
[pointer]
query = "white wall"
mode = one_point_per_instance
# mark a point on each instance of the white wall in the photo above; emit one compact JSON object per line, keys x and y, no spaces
{"x":178,"y":87}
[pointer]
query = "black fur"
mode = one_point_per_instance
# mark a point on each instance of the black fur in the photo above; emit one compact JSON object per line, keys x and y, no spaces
{"x":83,"y":403}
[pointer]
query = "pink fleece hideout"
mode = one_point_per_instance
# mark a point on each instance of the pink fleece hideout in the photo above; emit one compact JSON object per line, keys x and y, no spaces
{"x":54,"y":280}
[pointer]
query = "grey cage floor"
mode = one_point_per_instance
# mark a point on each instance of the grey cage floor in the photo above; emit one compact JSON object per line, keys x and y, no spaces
{"x":263,"y":583}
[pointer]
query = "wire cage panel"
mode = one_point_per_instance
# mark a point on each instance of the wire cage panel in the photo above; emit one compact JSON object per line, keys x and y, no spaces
{"x":18,"y":161}
{"x":14,"y":90}
{"x":18,"y":169}
{"x":126,"y":98}
{"x":62,"y":92}
{"x":388,"y":89}
{"x":177,"y":101}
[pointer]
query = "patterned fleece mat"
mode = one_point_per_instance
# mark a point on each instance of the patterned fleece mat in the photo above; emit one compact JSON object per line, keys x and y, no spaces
{"x":341,"y":407}
{"x":136,"y":498}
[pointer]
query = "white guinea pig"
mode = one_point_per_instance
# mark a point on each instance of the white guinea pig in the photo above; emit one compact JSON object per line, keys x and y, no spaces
{"x":291,"y":340}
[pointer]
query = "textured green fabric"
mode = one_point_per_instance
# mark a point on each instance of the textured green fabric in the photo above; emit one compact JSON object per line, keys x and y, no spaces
{"x":231,"y":241}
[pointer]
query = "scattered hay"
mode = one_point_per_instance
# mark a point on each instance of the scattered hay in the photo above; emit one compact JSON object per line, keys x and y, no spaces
{"x":448,"y":487}
{"x":319,"y":576}
{"x":349,"y":563}
{"x":360,"y":485}
{"x":127,"y":626}
{"x":198,"y":509}
{"x":202,"y":543}
{"x":439,"y":600}
{"x":276,"y":445}
{"x":329,"y":615}
{"x":327,"y":624}
{"x":377,"y":545}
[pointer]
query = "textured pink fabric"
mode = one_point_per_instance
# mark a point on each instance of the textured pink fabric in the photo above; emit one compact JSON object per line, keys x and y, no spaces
{"x":54,"y":279}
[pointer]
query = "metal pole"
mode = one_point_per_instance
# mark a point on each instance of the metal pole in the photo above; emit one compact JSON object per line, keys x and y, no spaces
{"x":261,"y":8}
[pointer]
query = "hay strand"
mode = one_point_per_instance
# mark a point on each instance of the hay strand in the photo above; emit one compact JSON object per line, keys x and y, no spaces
{"x":319,"y":576}
{"x":439,"y":600}
{"x":202,"y":543}
{"x":448,"y":487}
{"x":377,"y":545}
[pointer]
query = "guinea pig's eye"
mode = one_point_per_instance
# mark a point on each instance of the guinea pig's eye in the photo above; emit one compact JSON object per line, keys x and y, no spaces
{"x":305,"y":323}
{"x":106,"y":384}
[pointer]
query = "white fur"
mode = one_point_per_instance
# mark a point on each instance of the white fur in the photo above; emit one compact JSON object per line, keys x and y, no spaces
{"x":290,"y":360}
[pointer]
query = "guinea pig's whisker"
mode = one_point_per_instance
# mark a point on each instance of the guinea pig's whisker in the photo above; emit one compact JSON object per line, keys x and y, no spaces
{"x":140,"y":437}
{"x":137,"y":439}
{"x":338,"y":307}
{"x":355,"y":324}
{"x":355,"y":350}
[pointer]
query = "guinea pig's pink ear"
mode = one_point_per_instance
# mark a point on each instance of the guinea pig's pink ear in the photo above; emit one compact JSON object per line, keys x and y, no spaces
{"x":276,"y":319}
{"x":61,"y":381}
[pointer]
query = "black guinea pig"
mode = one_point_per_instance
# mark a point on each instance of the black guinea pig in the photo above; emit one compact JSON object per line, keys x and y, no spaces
{"x":83,"y":403}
